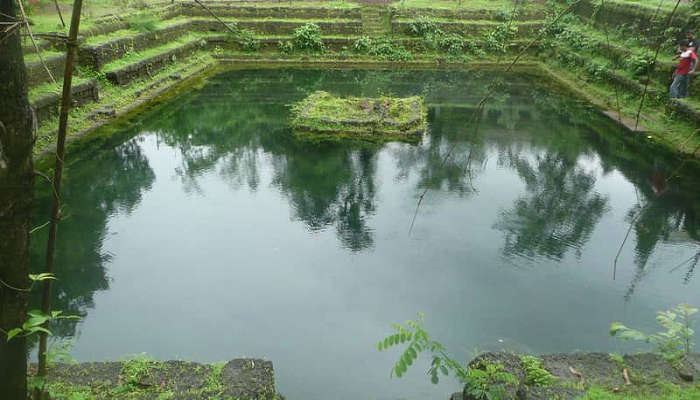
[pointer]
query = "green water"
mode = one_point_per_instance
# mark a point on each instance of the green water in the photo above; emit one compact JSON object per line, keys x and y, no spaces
{"x":203,"y":230}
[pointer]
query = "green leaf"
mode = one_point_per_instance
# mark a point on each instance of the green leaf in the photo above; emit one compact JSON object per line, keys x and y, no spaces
{"x":41,"y":277}
{"x":443,"y":369}
{"x":39,"y":329}
{"x":12,"y":333}
{"x":379,"y":346}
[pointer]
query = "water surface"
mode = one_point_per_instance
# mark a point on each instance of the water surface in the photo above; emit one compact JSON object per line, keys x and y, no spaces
{"x":203,"y":230}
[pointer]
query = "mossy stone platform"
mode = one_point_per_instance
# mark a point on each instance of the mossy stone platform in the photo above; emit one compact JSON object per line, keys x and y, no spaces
{"x":323,"y":116}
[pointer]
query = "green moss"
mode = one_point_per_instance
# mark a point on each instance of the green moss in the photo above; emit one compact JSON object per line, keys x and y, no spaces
{"x":658,"y":391}
{"x":323,"y":116}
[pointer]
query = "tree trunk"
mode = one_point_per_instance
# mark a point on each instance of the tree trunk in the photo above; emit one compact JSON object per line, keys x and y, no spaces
{"x":16,"y":194}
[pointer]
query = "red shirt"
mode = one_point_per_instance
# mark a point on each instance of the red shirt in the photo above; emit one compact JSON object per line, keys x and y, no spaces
{"x":684,"y":66}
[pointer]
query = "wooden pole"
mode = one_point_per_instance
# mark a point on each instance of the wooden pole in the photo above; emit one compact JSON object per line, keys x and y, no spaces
{"x":58,"y":171}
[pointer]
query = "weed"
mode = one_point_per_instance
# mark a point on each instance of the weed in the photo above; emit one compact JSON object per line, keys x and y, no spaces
{"x":535,"y":373}
{"x":142,"y":23}
{"x":308,"y":37}
{"x":673,"y":343}
{"x":488,"y":380}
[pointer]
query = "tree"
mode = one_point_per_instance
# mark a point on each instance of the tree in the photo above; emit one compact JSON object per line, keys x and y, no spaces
{"x":16,"y":195}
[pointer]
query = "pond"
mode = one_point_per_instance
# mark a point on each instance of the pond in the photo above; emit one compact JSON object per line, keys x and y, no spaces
{"x":203,"y":230}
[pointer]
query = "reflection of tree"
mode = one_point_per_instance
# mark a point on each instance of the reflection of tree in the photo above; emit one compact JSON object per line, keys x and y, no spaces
{"x":110,"y":182}
{"x":559,"y":211}
{"x":245,"y":119}
{"x":331,"y":185}
{"x":667,"y":210}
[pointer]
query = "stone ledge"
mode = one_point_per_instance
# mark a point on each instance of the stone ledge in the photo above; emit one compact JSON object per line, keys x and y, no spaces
{"x":47,"y":105}
{"x":242,"y":379}
{"x":574,"y":373}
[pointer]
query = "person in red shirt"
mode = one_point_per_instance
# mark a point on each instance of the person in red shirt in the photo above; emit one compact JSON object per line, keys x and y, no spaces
{"x":681,"y":77}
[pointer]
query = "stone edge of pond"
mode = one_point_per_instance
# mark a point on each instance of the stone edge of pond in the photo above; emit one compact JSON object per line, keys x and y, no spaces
{"x":575,"y":373}
{"x":139,"y":378}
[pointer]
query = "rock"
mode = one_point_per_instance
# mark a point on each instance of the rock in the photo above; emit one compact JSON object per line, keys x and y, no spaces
{"x":175,"y":77}
{"x":249,"y":379}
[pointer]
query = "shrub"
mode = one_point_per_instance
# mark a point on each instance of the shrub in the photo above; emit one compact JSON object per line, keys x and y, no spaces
{"x":308,"y":37}
{"x":423,"y":26}
{"x":673,"y":343}
{"x":286,"y":47}
{"x":248,"y":42}
{"x":386,"y":50}
{"x":497,"y":40}
{"x":535,"y":373}
{"x":362,"y":45}
{"x":639,"y":65}
{"x":453,"y":44}
{"x":142,"y":24}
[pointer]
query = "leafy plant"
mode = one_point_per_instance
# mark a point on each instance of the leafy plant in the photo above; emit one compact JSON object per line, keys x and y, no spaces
{"x":133,"y":371}
{"x":535,"y":373}
{"x":453,"y":44}
{"x":497,"y":40}
{"x":142,"y":24}
{"x":483,"y":380}
{"x":639,"y":65}
{"x":488,"y":381}
{"x":362,"y":45}
{"x":308,"y":37}
{"x":286,"y":47}
{"x":36,"y":319}
{"x":422,"y":27}
{"x":418,"y":340}
{"x":673,"y":343}
{"x":248,"y":41}
{"x":35,"y":323}
{"x":386,"y":50}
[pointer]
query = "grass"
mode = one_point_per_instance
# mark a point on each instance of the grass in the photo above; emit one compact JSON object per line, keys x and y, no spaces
{"x":464,"y":4}
{"x":117,"y":96}
{"x":660,"y":391}
{"x":34,"y":57}
{"x":50,"y":87}
{"x":132,"y":57}
{"x":325,"y":116}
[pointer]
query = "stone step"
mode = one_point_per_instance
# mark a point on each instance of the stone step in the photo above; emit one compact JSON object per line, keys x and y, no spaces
{"x":149,"y":65}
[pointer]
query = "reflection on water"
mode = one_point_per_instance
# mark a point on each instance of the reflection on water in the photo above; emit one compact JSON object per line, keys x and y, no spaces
{"x":204,"y":218}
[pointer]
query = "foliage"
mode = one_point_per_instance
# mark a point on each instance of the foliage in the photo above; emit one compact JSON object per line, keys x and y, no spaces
{"x":248,"y":41}
{"x":308,"y":37}
{"x":286,"y":47}
{"x":535,"y":373}
{"x":418,"y":340}
{"x":385,"y":49}
{"x":673,"y":343}
{"x":35,"y":323}
{"x":497,"y":40}
{"x":133,"y":371}
{"x":453,"y":44}
{"x":142,"y":23}
{"x":639,"y":65}
{"x":487,"y":380}
{"x":423,"y":27}
{"x":362,"y":45}
{"x":37,"y":320}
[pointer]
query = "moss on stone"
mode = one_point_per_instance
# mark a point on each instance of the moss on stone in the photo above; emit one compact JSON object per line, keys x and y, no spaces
{"x":323,"y":116}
